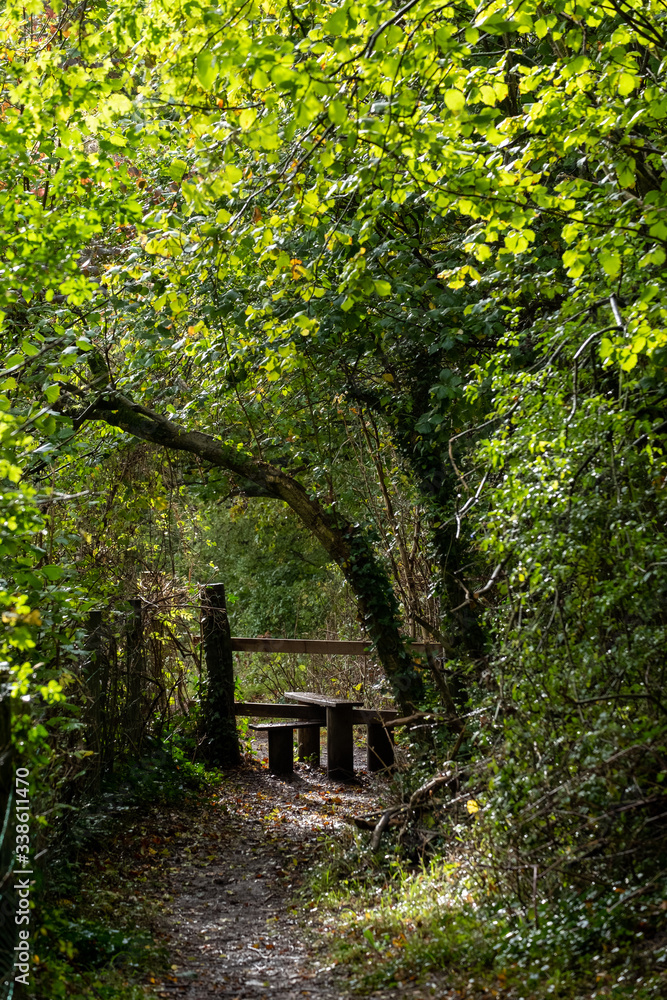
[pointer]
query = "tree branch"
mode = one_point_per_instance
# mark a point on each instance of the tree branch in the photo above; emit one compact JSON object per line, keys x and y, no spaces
{"x":344,"y":542}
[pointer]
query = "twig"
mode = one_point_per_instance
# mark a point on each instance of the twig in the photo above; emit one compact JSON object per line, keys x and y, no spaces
{"x":643,"y":438}
{"x":487,"y":586}
{"x":471,"y":430}
{"x":417,"y":717}
{"x":383,"y":823}
{"x":408,"y":807}
{"x":597,"y":333}
{"x":469,"y":503}
{"x":613,"y":302}
{"x":436,"y":633}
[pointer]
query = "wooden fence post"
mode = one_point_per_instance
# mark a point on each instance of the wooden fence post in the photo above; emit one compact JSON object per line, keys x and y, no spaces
{"x":135,"y":664}
{"x":93,"y":675}
{"x":222,"y":744}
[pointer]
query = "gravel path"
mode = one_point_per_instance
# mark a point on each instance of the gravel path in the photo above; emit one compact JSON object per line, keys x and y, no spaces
{"x":227,"y":888}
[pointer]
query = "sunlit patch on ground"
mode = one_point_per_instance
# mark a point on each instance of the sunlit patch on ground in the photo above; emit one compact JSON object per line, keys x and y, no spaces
{"x":232,"y":920}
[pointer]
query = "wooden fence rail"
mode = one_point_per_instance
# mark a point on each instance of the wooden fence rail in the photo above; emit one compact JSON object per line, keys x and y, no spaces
{"x":330,"y":647}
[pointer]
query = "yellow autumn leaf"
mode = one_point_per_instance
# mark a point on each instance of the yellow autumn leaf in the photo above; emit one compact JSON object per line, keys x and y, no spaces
{"x":472,"y":807}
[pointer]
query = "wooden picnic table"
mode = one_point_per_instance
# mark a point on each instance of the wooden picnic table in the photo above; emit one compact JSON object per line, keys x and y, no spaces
{"x":340,"y":731}
{"x":339,"y":715}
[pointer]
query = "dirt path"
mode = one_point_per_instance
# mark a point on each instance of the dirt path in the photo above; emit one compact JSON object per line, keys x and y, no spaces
{"x":225,"y":886}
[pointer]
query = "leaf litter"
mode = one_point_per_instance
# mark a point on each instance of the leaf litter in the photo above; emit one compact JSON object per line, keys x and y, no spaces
{"x":219,"y":878}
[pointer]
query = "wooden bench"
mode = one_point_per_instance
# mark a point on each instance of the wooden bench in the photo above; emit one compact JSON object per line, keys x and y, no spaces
{"x":281,"y":743}
{"x":318,"y":707}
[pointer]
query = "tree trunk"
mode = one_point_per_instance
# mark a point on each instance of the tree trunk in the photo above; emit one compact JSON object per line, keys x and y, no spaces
{"x":221,"y":739}
{"x":344,"y":542}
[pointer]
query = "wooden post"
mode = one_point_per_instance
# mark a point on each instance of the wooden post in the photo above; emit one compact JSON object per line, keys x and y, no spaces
{"x":281,"y":751}
{"x":309,"y":745}
{"x":222,"y":744}
{"x":94,"y":672}
{"x":380,"y":747}
{"x":134,"y":655}
{"x":340,"y":743}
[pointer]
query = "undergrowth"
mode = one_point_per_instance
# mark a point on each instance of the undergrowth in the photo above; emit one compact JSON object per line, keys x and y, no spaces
{"x":80,"y":957}
{"x":94,"y":937}
{"x":389,"y":923}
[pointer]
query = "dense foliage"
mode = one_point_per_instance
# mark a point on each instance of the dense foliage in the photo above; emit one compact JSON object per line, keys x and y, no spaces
{"x":402,"y":271}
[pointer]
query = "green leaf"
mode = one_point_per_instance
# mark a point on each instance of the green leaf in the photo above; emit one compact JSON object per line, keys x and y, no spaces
{"x":337,"y":23}
{"x":368,"y":934}
{"x":52,"y":572}
{"x":247,"y":117}
{"x":658,"y":230}
{"x":177,"y":169}
{"x":337,"y":112}
{"x":260,"y":80}
{"x":626,"y":84}
{"x":611,"y":262}
{"x":575,"y":262}
{"x":233,"y":174}
{"x":455,"y":100}
{"x":628,"y":363}
{"x":206,"y":69}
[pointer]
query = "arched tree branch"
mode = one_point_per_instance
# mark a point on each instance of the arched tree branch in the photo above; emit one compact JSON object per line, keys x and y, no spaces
{"x":344,"y":542}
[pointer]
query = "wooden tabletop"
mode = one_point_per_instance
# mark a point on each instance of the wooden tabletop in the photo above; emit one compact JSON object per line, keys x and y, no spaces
{"x":323,"y":700}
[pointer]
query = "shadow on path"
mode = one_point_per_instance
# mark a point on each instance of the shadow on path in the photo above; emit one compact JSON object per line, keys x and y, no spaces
{"x":227,"y":884}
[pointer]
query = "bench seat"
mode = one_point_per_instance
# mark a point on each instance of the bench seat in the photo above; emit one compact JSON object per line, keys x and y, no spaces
{"x":281,"y":742}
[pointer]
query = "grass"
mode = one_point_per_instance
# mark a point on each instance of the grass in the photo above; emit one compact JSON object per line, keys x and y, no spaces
{"x":388,"y":923}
